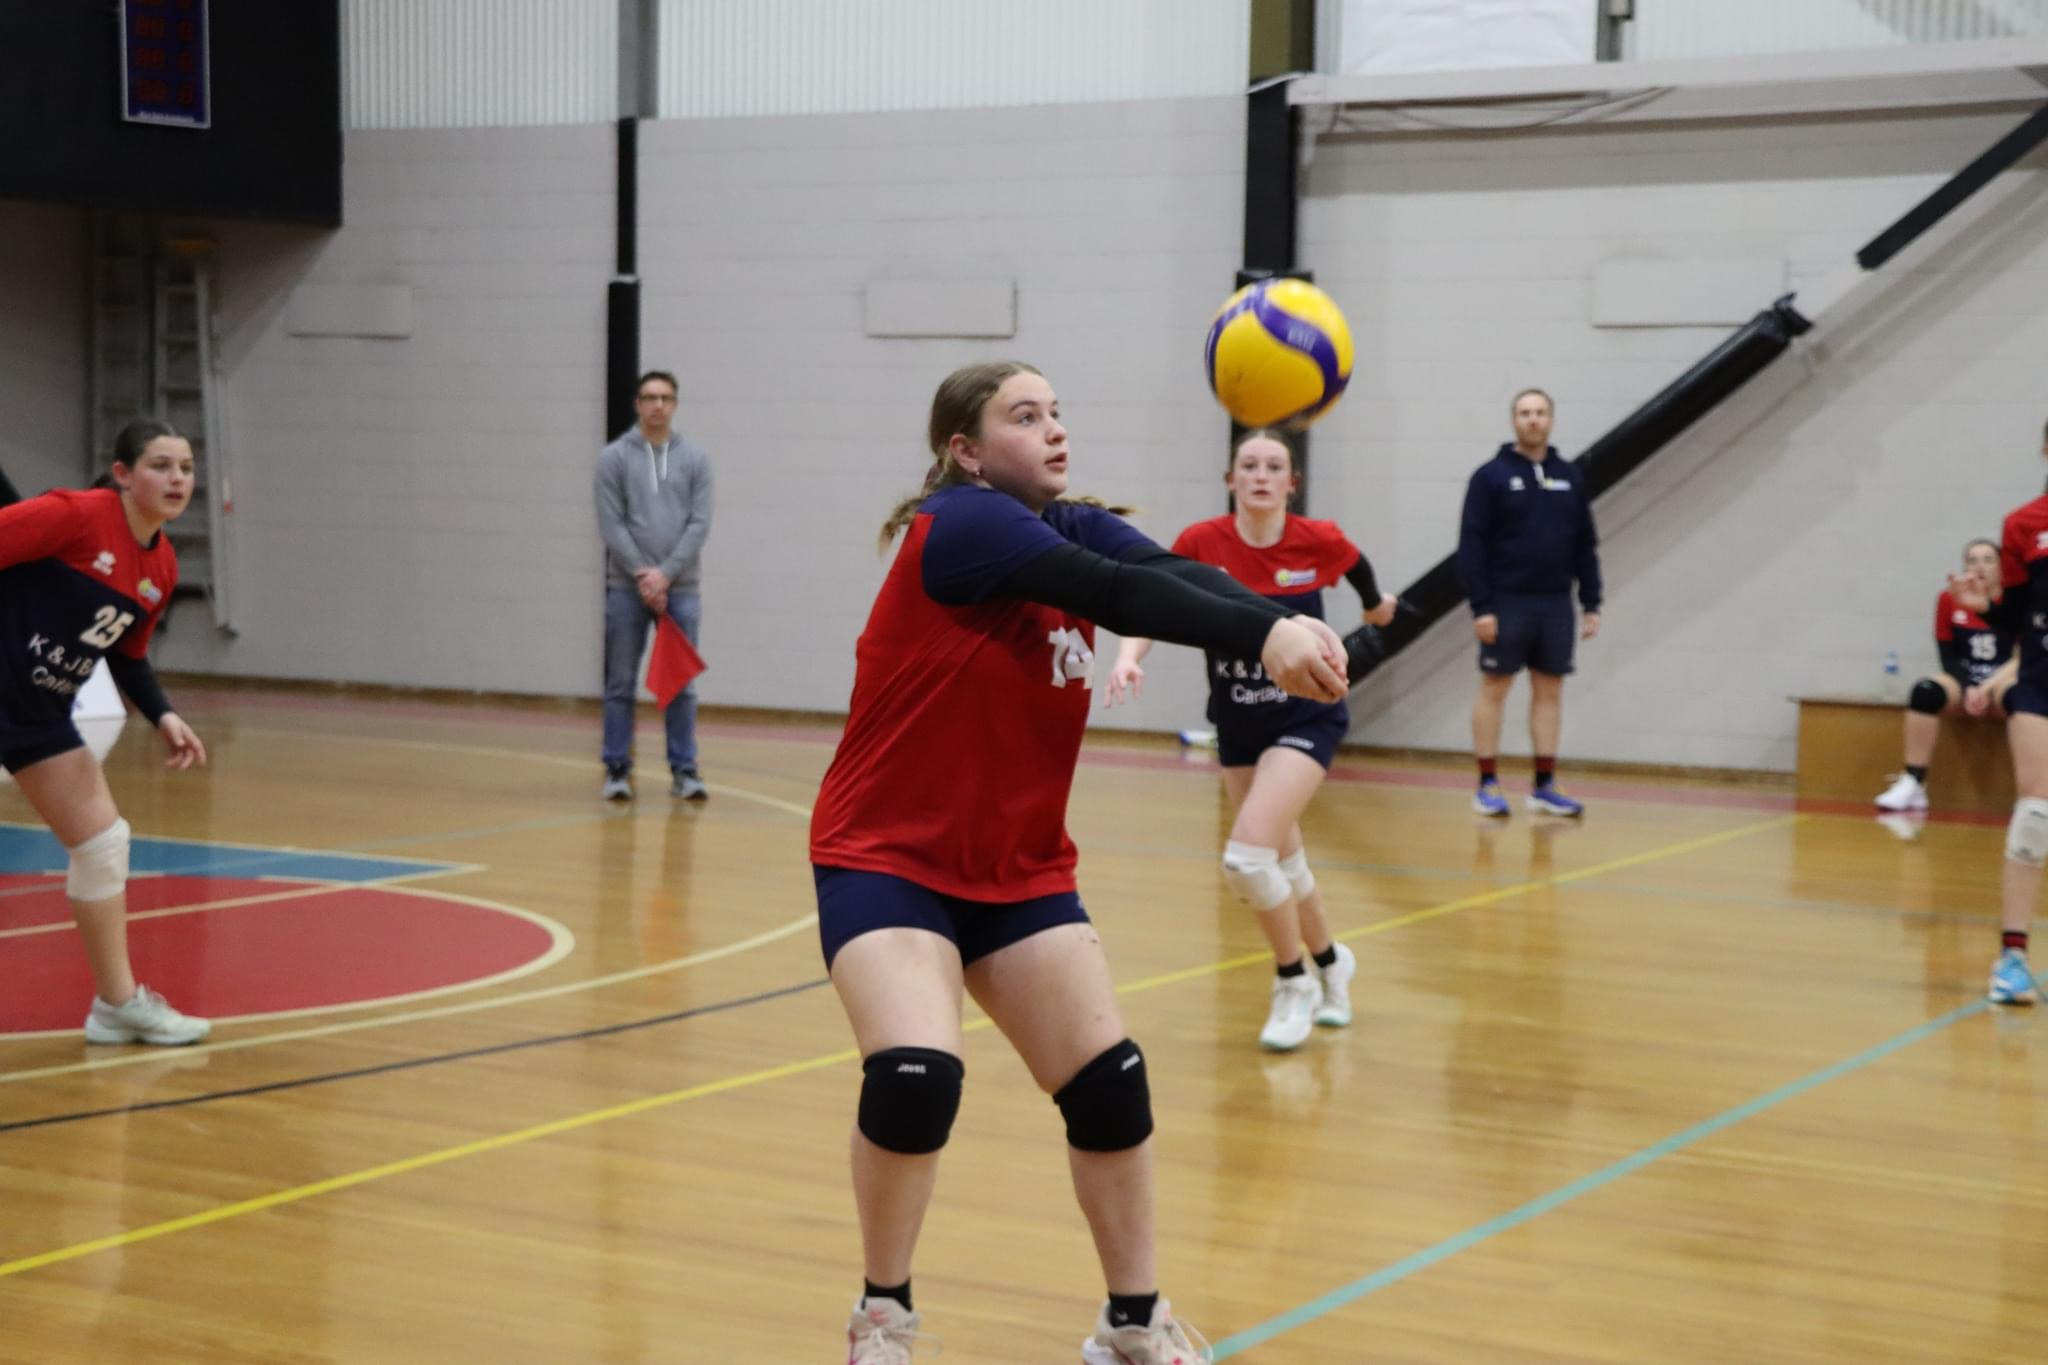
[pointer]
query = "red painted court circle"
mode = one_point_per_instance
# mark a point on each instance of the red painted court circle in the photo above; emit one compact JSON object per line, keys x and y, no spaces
{"x":261,"y":946}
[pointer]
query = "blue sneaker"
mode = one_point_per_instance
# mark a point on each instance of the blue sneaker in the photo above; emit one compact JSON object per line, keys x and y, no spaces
{"x":1488,"y":800}
{"x":1551,"y":801}
{"x":2012,"y":981}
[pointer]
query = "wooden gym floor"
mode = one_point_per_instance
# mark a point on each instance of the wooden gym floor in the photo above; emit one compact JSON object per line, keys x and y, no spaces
{"x":1704,"y":1078}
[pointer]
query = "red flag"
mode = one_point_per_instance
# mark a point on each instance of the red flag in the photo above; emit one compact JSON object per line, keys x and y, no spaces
{"x":672,"y":663}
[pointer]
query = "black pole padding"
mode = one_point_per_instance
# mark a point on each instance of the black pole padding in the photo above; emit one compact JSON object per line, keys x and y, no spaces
{"x":1690,"y":397}
{"x":628,"y":249}
{"x":621,"y":355}
{"x":1960,"y":186}
{"x":1605,"y":463}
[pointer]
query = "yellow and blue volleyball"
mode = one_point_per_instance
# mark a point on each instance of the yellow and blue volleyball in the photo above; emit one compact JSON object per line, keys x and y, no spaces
{"x":1279,"y":354}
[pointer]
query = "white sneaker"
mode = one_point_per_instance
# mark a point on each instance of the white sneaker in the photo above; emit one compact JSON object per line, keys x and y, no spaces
{"x":1334,"y":1009}
{"x":146,"y":1018}
{"x":1293,"y":1016}
{"x":880,"y":1333}
{"x":1904,"y":794}
{"x":1163,"y":1341}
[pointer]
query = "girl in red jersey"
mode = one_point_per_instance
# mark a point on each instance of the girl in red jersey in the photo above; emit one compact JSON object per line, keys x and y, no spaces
{"x":940,"y":848}
{"x":1275,"y":749}
{"x":85,"y":576}
{"x":2021,"y":607}
{"x":1975,"y":673}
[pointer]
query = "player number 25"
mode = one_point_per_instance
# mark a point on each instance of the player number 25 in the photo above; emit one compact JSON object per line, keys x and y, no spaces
{"x":107,"y":625}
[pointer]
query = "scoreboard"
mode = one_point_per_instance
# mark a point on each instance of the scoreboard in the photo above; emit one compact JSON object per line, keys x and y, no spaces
{"x":164,"y":66}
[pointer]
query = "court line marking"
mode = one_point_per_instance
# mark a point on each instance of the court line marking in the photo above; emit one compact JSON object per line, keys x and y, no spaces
{"x":649,"y":1103}
{"x":414,"y":1063}
{"x":234,"y":902}
{"x":1586,"y":1184}
{"x":761,"y":940}
{"x":236,"y":851}
{"x":561,"y":942}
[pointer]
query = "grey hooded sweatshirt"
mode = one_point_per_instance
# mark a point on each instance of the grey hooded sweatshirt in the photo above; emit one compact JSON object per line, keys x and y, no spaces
{"x":653,"y":508}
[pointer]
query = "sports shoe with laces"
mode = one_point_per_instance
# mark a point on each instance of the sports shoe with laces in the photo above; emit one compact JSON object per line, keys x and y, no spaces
{"x":2012,"y":980}
{"x":1163,"y":1341}
{"x":1293,"y":1015}
{"x":880,"y":1332}
{"x":145,"y":1018}
{"x":1489,"y":801}
{"x":1333,"y":1010}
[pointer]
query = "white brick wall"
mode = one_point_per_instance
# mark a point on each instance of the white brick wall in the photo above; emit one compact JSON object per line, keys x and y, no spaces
{"x":1791,"y":539}
{"x":418,"y":511}
{"x":1121,"y":225}
{"x":42,"y":346}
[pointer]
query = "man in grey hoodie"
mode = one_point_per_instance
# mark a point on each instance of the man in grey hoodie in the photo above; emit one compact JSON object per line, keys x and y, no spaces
{"x":654,"y":510}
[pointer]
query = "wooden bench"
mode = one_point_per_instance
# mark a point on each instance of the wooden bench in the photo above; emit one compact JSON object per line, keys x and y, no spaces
{"x":1849,"y":747}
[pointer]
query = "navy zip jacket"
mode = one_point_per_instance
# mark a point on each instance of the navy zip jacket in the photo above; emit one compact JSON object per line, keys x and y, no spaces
{"x":1528,"y":531}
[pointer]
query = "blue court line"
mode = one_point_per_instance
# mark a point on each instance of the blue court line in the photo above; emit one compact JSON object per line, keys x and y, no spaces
{"x":1536,"y":1208}
{"x":32,"y":849}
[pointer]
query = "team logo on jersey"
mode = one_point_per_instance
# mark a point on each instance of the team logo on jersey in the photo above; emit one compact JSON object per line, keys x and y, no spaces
{"x":1557,"y":485}
{"x":1961,"y":618}
{"x":105,"y":562}
{"x":150,"y":592}
{"x":1515,"y":484}
{"x":2041,"y":540}
{"x":1294,"y":578}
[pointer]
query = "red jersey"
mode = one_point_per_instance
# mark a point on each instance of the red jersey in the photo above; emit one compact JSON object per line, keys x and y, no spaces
{"x":2023,"y":560}
{"x":1971,"y":648}
{"x":968,"y":707}
{"x":74,"y":583}
{"x":1308,"y":557}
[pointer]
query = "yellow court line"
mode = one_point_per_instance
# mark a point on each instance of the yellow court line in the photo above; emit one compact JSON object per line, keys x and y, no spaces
{"x":653,"y":1102}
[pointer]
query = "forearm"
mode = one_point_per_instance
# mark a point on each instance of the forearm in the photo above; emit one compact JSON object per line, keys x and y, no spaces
{"x":137,"y":681}
{"x":1140,"y":601}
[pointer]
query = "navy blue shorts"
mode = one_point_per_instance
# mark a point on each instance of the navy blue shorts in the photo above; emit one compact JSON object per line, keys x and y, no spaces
{"x":2027,"y":697}
{"x":851,"y":903}
{"x":1317,"y":736}
{"x":19,"y":750}
{"x":1536,"y":633}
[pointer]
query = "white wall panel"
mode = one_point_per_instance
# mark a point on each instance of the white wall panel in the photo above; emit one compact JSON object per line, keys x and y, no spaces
{"x":1734,"y":28}
{"x":720,"y":59}
{"x":481,"y":63}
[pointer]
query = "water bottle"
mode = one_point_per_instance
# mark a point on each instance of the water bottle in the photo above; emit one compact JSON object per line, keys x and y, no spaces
{"x":1891,"y":675}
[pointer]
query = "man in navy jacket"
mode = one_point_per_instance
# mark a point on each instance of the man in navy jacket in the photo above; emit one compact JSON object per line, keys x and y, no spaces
{"x":1527,"y":534}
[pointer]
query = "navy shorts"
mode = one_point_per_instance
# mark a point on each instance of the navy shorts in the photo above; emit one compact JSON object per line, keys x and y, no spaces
{"x":1317,"y":736}
{"x":19,"y":749}
{"x":2027,"y":697}
{"x":851,"y":903}
{"x":1536,"y":633}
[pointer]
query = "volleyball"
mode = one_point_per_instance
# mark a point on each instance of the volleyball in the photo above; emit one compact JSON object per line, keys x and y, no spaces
{"x":1279,"y":354}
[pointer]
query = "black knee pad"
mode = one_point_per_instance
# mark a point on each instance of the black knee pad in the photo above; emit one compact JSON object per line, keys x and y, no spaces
{"x":909,"y":1099}
{"x":1108,"y":1104}
{"x":1929,"y":697}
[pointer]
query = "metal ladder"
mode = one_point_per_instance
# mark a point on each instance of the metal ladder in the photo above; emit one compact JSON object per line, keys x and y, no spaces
{"x":155,"y":353}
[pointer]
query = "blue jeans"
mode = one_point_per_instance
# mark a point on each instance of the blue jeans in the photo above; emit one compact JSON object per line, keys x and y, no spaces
{"x":626,"y":625}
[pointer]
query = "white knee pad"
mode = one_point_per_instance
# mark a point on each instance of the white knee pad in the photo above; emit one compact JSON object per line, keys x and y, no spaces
{"x":99,"y":866}
{"x":1300,"y":880}
{"x":1253,"y":872}
{"x":2026,"y":838}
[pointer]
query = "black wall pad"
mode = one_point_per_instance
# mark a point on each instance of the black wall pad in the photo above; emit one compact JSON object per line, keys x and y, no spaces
{"x":622,"y":299}
{"x":621,"y":355}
